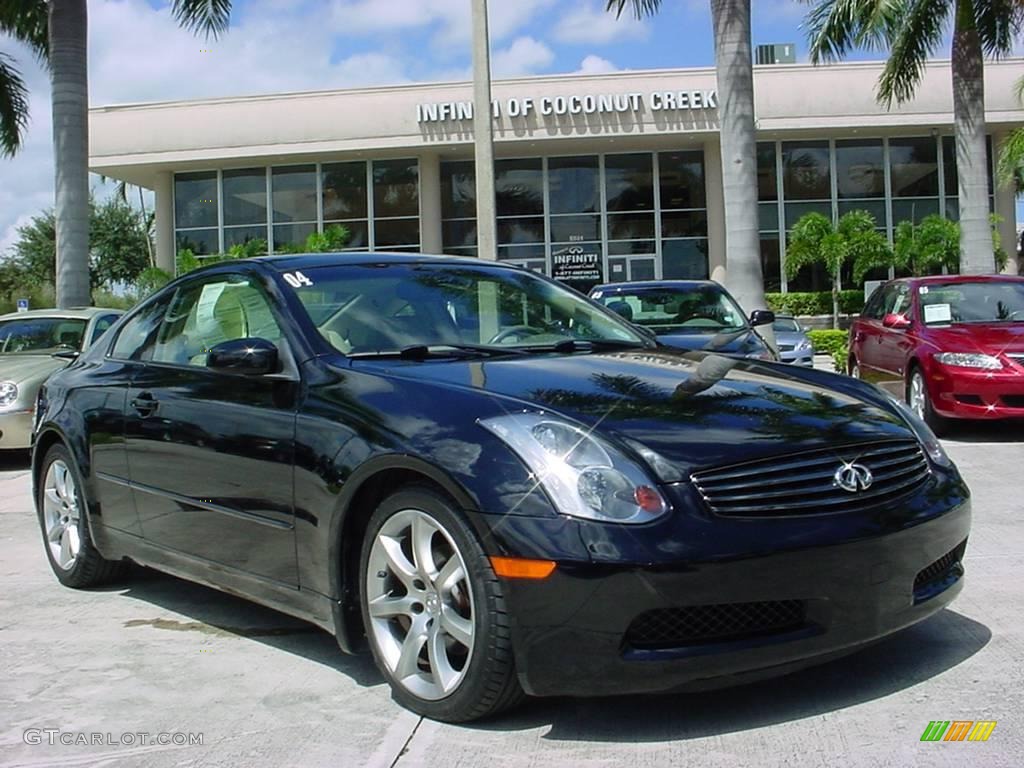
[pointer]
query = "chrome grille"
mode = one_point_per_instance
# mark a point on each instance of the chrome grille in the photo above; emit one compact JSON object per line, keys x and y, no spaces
{"x":804,"y":483}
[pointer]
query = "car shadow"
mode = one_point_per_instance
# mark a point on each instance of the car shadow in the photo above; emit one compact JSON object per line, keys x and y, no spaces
{"x":208,"y":613}
{"x":909,"y":658}
{"x":14,"y":461}
{"x":1003,"y":431}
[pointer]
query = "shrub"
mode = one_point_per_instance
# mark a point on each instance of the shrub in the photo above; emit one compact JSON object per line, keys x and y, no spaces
{"x":851,"y":302}
{"x":840,"y":356}
{"x":827,"y":342}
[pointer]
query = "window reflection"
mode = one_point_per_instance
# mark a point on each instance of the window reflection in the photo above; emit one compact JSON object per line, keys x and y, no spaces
{"x":344,"y":190}
{"x":914,"y":167}
{"x":573,"y":185}
{"x":195,"y":199}
{"x":805,"y":170}
{"x":860,"y":169}
{"x":245,"y":196}
{"x":629,"y":182}
{"x":293,"y":193}
{"x":395,"y":188}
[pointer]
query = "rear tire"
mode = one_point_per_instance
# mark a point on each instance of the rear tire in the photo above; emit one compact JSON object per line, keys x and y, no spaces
{"x":434,"y":611}
{"x":853,"y":368}
{"x":62,"y":510}
{"x":921,"y":403}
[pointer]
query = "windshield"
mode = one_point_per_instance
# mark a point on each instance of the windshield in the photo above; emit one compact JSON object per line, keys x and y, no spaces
{"x":785,"y":325}
{"x":987,"y":302}
{"x":697,"y":309}
{"x":41,"y":335}
{"x":373,"y":308}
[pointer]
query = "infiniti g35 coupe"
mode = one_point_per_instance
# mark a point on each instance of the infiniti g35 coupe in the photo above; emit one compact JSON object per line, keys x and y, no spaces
{"x":498,"y":486}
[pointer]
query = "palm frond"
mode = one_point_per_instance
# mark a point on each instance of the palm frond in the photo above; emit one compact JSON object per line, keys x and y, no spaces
{"x":25,"y":21}
{"x":209,"y":17}
{"x":1011,"y":157}
{"x":13,"y":107}
{"x":835,"y":27}
{"x":640,"y":8}
{"x":922,"y":29}
{"x":998,"y":23}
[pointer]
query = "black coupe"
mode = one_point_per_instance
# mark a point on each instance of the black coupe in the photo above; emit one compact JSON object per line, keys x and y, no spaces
{"x":499,"y":486}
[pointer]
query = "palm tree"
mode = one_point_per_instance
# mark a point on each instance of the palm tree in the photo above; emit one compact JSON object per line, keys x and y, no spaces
{"x":913,"y":30}
{"x":731,"y":22}
{"x":67,"y":22}
{"x":25,"y":21}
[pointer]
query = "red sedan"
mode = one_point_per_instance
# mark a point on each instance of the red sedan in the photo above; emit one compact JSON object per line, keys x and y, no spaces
{"x":952,"y":345}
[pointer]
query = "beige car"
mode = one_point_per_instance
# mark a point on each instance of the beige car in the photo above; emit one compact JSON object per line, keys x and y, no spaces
{"x":33,"y":345}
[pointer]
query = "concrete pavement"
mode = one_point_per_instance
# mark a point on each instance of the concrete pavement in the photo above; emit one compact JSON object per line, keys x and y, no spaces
{"x":160,"y":655}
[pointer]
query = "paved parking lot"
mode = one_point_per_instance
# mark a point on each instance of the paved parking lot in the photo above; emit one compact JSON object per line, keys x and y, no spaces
{"x":159,"y":655}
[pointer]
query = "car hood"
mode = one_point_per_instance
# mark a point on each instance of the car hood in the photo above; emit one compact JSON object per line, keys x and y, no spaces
{"x":740,"y":342}
{"x":991,"y":338}
{"x":789,"y":337}
{"x":695,"y":409}
{"x":24,"y":368}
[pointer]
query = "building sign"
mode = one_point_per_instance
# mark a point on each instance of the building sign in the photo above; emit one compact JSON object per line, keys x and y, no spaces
{"x":577,"y":265}
{"x":588,"y":104}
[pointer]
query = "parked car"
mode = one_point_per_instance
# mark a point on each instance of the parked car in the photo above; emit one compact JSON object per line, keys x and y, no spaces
{"x":689,"y":314}
{"x":792,"y":340}
{"x":33,"y":345}
{"x":496,"y":484}
{"x":952,"y":345}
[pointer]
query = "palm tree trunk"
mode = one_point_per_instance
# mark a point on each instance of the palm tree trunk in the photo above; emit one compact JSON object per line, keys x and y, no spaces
{"x":69,"y":77}
{"x":835,"y":299}
{"x":731,"y":20}
{"x":144,"y":217}
{"x":976,"y":252}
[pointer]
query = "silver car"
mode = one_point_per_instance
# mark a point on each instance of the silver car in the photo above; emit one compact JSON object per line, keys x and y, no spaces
{"x":33,"y":345}
{"x":794,"y":346}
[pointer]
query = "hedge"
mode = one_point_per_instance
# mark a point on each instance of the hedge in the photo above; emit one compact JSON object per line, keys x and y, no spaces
{"x":819,"y":303}
{"x":827,"y":342}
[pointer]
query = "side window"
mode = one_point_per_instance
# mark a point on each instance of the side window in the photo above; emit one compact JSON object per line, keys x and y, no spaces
{"x":203,"y":315}
{"x":135,"y":338}
{"x":901,"y":301}
{"x":873,"y":309}
{"x":101,"y":326}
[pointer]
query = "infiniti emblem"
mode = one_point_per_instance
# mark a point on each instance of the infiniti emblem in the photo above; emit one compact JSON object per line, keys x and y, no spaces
{"x":853,"y":477}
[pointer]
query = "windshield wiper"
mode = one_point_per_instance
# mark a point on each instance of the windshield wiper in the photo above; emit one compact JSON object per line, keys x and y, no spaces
{"x":427,"y":351}
{"x":584,"y":345}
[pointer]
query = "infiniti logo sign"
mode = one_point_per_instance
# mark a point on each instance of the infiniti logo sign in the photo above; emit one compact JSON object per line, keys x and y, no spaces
{"x":853,"y":477}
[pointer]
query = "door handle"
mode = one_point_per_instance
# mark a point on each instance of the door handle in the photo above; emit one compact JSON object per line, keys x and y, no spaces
{"x":145,"y":403}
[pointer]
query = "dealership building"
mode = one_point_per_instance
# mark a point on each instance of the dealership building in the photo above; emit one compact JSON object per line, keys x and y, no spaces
{"x":619,"y":173}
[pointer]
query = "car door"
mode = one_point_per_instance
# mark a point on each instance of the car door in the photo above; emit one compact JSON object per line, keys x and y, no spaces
{"x":868,"y":331}
{"x":210,"y":453}
{"x":894,"y":343}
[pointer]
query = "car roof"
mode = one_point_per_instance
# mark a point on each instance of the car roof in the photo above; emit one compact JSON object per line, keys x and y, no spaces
{"x":83,"y":313}
{"x":287,"y":262}
{"x":942,"y":279}
{"x":640,"y":284}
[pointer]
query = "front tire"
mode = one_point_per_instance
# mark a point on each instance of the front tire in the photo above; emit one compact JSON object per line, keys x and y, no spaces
{"x":921,"y":403}
{"x":434,"y":611}
{"x":62,"y":511}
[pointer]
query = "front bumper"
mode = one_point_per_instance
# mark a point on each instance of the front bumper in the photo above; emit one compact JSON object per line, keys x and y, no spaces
{"x":16,"y":429}
{"x":802,"y":357}
{"x":963,"y":393}
{"x":572,"y":631}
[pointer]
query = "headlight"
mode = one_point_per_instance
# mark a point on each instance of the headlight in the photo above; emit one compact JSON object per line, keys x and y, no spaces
{"x":584,"y":475}
{"x":924,"y":433}
{"x":969,"y":360}
{"x":803,"y":344}
{"x":8,"y":393}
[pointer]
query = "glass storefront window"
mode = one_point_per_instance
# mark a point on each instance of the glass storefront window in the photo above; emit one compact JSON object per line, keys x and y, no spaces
{"x":358,"y":233}
{"x":684,"y":223}
{"x":630,"y":247}
{"x":630,"y":226}
{"x":242,"y":235}
{"x":396,"y":188}
{"x":293,"y":193}
{"x":573,"y":185}
{"x":458,"y":190}
{"x":795,"y":211}
{"x":388,"y":233}
{"x":681,"y":179}
{"x":629,"y":182}
{"x":771,"y":265}
{"x":684,"y":259}
{"x":767,"y":173}
{"x":875,"y":207}
{"x":521,"y":230}
{"x":805,"y":170}
{"x":200,"y":241}
{"x":292,"y":234}
{"x":914,"y":167}
{"x":910,"y":209}
{"x":574,"y":229}
{"x":195,"y":199}
{"x":860,"y":169}
{"x":344,"y":190}
{"x":519,"y":187}
{"x":768,"y":216}
{"x":245,"y":196}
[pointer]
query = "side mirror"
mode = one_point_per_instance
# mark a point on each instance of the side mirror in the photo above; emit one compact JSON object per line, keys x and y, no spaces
{"x":250,"y":357}
{"x":66,"y":354}
{"x":762,"y":317}
{"x":896,"y":322}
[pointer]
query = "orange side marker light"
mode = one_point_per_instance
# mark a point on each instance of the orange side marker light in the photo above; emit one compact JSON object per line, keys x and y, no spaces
{"x":522,"y":568}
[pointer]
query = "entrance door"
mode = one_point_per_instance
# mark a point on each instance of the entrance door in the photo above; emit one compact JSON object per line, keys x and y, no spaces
{"x":622,"y":269}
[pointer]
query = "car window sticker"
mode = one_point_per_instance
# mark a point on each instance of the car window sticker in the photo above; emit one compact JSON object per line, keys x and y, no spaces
{"x":937,"y":313}
{"x":923,"y":290}
{"x":297,"y":280}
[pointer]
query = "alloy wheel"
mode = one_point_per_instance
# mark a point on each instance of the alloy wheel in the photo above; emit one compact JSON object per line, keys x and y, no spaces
{"x":61,"y":515}
{"x":918,"y":395}
{"x":420,"y":604}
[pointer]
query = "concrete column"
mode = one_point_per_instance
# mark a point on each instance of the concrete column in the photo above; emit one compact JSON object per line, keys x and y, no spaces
{"x":430,"y":203}
{"x":163,"y":192}
{"x":483,"y":137}
{"x":1006,"y":209}
{"x":716,"y":209}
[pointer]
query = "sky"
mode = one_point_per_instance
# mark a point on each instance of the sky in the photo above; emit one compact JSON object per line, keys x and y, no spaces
{"x":138,"y":53}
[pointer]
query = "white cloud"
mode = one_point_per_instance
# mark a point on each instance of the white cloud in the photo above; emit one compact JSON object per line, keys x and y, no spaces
{"x":523,"y":57}
{"x":595,"y":65}
{"x":592,"y":24}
